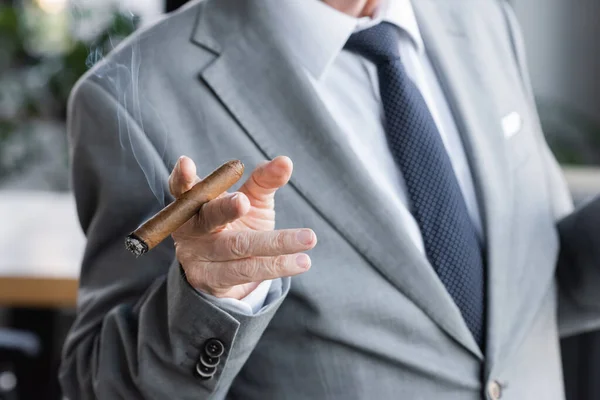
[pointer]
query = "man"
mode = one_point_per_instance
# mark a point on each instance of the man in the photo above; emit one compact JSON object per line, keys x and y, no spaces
{"x":418,"y":162}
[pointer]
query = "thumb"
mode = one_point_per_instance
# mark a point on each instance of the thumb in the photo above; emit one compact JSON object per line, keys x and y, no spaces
{"x":183,"y":177}
{"x":266,"y":179}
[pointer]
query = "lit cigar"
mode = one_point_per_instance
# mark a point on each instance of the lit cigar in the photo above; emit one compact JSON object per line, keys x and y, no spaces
{"x":173,"y":216}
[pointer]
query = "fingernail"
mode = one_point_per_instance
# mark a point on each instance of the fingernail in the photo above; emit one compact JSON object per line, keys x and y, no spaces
{"x":303,"y":261}
{"x":178,"y":165}
{"x":305,"y":236}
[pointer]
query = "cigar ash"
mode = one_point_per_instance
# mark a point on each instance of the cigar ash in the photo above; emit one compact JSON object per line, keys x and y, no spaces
{"x":135,"y":245}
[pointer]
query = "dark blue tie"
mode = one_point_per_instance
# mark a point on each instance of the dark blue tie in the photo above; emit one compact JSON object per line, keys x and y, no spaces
{"x":450,"y":239}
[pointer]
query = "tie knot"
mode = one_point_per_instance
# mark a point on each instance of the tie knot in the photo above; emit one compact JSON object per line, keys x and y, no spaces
{"x":378,"y":43}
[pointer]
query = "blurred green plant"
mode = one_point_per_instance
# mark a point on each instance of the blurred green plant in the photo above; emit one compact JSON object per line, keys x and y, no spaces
{"x":35,"y":86}
{"x":573,"y":136}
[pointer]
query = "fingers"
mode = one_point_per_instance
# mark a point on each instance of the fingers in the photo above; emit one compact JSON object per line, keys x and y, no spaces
{"x":266,"y":179}
{"x":183,"y":177}
{"x":216,"y":214}
{"x":231,"y":245}
{"x":225,"y":260}
{"x":257,"y":269}
{"x":259,"y":188}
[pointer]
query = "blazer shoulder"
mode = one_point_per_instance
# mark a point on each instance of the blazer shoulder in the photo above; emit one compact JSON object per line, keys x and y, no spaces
{"x":149,"y":53}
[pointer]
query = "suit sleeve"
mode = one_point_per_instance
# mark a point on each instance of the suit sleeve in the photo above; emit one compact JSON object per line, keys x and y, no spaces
{"x":140,"y":328}
{"x":578,"y":267}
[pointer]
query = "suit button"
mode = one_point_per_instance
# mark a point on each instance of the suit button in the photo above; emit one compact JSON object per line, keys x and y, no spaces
{"x":205,"y":372}
{"x":209,"y":361}
{"x":494,"y":390}
{"x":214,"y":348}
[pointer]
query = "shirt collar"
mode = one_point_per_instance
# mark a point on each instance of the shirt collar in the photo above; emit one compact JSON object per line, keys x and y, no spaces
{"x":315,"y":33}
{"x":399,"y":13}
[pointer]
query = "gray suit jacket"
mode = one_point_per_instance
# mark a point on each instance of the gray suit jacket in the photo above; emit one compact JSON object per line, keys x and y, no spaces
{"x":371,"y":320}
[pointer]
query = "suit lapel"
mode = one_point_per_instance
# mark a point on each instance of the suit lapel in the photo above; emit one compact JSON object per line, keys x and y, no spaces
{"x":455,"y":57}
{"x":273,"y":100}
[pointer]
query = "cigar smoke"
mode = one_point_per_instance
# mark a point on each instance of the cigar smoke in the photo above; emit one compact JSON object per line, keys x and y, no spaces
{"x":124,"y":79}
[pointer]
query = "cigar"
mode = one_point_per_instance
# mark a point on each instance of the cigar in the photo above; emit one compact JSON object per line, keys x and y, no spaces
{"x":173,"y":216}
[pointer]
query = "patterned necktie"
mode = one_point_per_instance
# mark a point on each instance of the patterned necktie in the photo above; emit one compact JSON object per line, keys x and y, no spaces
{"x":450,"y":239}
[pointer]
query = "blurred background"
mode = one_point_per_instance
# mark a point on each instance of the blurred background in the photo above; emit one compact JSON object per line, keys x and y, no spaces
{"x":46,"y":45}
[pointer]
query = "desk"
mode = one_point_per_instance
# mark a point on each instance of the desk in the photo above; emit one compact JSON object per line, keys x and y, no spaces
{"x":28,"y":292}
{"x":41,"y":246}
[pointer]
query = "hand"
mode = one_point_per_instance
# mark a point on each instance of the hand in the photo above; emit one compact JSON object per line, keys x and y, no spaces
{"x":231,"y":245}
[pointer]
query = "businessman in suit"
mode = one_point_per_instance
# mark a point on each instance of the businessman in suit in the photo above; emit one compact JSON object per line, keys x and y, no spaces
{"x":449,"y":259}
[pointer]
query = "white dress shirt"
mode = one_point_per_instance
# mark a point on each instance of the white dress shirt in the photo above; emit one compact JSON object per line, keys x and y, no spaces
{"x":348,"y":86}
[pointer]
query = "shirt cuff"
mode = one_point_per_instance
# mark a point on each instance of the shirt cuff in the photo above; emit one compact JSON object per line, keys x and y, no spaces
{"x":249,"y":305}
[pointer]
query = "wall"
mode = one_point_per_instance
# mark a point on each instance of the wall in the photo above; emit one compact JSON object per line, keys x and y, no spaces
{"x":563,"y":41}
